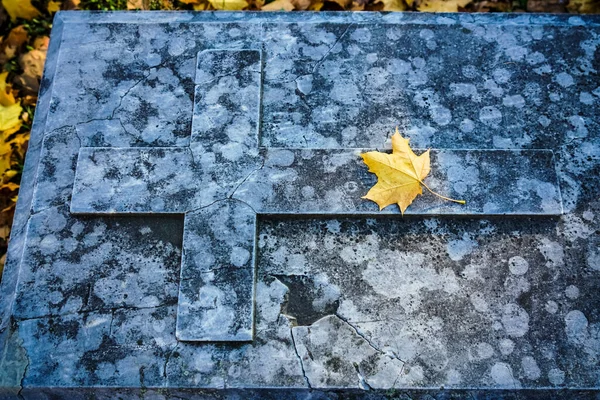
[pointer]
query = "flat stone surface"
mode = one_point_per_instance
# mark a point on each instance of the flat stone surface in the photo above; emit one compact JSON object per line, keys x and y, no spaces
{"x":292,"y":181}
{"x":136,"y":117}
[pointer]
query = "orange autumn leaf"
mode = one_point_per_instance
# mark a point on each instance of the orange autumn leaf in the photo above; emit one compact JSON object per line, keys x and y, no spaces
{"x":400,"y":175}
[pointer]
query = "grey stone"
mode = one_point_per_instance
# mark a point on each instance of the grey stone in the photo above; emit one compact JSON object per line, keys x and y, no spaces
{"x":191,"y":225}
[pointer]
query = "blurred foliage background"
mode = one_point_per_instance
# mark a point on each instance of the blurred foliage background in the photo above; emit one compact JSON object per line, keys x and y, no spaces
{"x":25,"y":28}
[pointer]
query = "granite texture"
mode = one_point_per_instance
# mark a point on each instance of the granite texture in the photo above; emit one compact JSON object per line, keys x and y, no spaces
{"x":345,"y":303}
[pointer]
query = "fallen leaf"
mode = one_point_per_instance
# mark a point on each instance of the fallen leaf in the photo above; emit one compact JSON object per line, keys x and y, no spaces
{"x":393,"y":5}
{"x":10,"y":186}
{"x":10,"y":173}
{"x":316,"y":5}
{"x":399,"y":175}
{"x":11,"y":45}
{"x":6,"y":96}
{"x":584,"y":6}
{"x":70,"y":4}
{"x":4,"y":232}
{"x":20,"y":9}
{"x":9,"y":117}
{"x":41,"y":43}
{"x":138,"y":5}
{"x":278,"y":5}
{"x":229,"y":5}
{"x":5,"y":152}
{"x":441,"y":5}
{"x":342,"y":3}
{"x":32,"y":63}
{"x":53,"y":6}
{"x":301,"y":4}
{"x":492,"y":6}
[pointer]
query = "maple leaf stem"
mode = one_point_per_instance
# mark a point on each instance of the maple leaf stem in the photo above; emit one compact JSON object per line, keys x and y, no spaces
{"x":443,"y":197}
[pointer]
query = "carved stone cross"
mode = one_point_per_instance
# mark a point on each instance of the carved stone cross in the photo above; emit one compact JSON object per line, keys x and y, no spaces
{"x":224,"y":180}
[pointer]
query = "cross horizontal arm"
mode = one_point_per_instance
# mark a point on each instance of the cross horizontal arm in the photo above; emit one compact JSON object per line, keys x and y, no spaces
{"x":321,"y":182}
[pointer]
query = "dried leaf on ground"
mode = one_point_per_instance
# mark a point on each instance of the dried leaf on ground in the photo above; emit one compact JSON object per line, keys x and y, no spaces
{"x":279,"y":5}
{"x":399,"y":175}
{"x":6,"y":96}
{"x":53,"y":6}
{"x":4,"y":232}
{"x":492,"y":5}
{"x":32,"y":63}
{"x":41,"y":43}
{"x":12,"y":44}
{"x":139,"y":4}
{"x":229,"y":5}
{"x":20,"y":9}
{"x":9,"y":117}
{"x":301,"y":4}
{"x":70,"y":4}
{"x":551,"y":6}
{"x":344,"y":4}
{"x":392,"y":5}
{"x":441,"y":5}
{"x":584,"y":6}
{"x":316,"y":5}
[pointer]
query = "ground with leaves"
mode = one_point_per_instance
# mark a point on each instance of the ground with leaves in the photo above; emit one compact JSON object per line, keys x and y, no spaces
{"x":25,"y":27}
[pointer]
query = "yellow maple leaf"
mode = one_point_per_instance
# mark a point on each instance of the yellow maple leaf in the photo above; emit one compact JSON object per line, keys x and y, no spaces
{"x":399,"y":175}
{"x":6,"y":97}
{"x":229,"y":5}
{"x":279,"y":5}
{"x":5,"y":152}
{"x":53,"y":6}
{"x":441,"y":5}
{"x":20,"y":9}
{"x":9,"y":116}
{"x":392,"y":5}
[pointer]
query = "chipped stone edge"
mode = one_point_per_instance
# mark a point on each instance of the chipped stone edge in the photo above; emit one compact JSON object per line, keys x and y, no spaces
{"x":24,"y":204}
{"x":405,"y":18}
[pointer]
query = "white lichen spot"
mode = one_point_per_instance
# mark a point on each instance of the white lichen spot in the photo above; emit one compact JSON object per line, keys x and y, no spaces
{"x":515,"y":320}
{"x":530,"y":368}
{"x":564,"y":79}
{"x":478,"y":301}
{"x":490,"y":116}
{"x":239,"y":256}
{"x":502,"y":375}
{"x":556,"y":376}
{"x":576,"y":325}
{"x":553,"y":253}
{"x":458,"y":249}
{"x":572,"y":292}
{"x":506,"y":346}
{"x":551,"y":307}
{"x":518,"y":265}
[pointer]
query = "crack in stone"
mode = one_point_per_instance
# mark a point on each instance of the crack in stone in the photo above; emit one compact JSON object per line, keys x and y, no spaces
{"x":22,"y":380}
{"x":362,"y":381}
{"x":377,"y":349}
{"x":300,"y":359}
{"x":166,"y":364}
{"x":110,"y":327}
{"x":193,"y":210}
{"x":21,"y":383}
{"x":246,"y":178}
{"x":331,"y":48}
{"x":146,"y":75}
{"x":97,"y":310}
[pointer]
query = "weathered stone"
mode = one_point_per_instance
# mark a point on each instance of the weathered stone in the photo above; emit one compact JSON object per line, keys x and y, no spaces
{"x":235,"y":122}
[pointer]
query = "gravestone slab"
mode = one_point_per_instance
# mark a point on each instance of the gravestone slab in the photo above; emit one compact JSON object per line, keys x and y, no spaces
{"x":191,"y":225}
